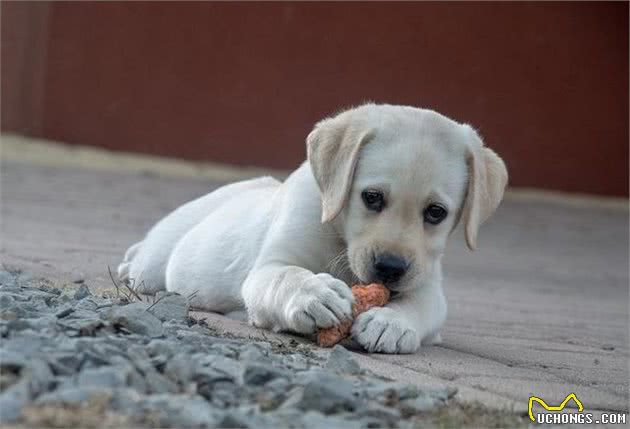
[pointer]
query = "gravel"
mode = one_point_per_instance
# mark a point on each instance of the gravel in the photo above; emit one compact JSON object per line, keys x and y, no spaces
{"x":150,"y":364}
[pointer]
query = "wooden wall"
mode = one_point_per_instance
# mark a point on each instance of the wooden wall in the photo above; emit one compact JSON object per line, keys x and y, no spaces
{"x":242,"y":83}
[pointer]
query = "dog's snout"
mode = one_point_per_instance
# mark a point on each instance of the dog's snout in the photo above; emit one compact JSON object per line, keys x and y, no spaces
{"x":389,"y":268}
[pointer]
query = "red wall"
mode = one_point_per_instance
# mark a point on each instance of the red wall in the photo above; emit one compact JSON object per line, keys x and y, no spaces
{"x":546,"y":83}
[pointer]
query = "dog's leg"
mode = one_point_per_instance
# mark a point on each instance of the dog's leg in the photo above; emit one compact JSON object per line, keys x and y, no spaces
{"x":405,"y":323}
{"x":125,"y":265}
{"x":290,"y":298}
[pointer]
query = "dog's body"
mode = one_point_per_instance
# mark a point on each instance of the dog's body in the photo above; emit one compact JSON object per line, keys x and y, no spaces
{"x":383,"y":188}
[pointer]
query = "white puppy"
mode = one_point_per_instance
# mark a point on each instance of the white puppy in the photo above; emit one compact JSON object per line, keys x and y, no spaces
{"x":383,"y":188}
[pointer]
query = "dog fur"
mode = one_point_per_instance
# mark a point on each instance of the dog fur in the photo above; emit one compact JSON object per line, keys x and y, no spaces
{"x":287,"y":252}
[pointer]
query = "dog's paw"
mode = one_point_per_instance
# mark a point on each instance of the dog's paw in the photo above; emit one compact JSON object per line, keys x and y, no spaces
{"x":382,"y":330}
{"x":321,"y":301}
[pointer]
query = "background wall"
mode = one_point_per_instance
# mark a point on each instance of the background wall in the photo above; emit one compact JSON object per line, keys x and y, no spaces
{"x":243,"y":83}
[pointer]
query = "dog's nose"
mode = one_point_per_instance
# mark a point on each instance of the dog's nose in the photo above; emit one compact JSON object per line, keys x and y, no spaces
{"x":389,"y":268}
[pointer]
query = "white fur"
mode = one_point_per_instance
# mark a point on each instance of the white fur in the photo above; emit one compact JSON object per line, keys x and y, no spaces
{"x":286,"y":252}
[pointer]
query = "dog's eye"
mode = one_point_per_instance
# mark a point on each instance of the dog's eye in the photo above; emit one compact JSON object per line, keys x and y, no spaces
{"x":434,"y":214}
{"x":373,"y":199}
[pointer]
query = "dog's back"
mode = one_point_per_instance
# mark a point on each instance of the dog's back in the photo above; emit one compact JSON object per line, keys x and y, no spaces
{"x":144,"y":264}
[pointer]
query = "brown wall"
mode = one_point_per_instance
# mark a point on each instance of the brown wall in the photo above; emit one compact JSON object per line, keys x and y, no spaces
{"x":546,"y":83}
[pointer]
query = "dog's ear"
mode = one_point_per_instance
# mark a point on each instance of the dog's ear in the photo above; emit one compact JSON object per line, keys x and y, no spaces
{"x":333,"y":149}
{"x":487,"y":178}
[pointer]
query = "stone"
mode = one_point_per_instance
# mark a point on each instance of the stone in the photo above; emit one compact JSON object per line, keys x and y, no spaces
{"x":134,"y":318}
{"x":78,"y":278}
{"x":316,"y":420}
{"x":226,"y":394}
{"x":82,"y":292}
{"x":12,"y":312}
{"x":104,"y":377}
{"x":341,"y":360}
{"x":296,"y":362}
{"x":179,"y":368}
{"x":6,"y":299}
{"x":13,"y":399}
{"x":10,"y":409}
{"x":421,"y":404}
{"x":148,"y":364}
{"x":170,"y":306}
{"x":381,"y":412}
{"x":327,"y":393}
{"x":157,"y":347}
{"x":253,"y":353}
{"x":65,"y":311}
{"x":38,"y":374}
{"x":157,"y":383}
{"x":182,"y":411}
{"x":73,"y":395}
{"x":391,"y":393}
{"x":7,"y":279}
{"x":257,"y":375}
{"x":87,"y":326}
{"x":11,"y":361}
{"x":227,"y":366}
{"x":64,"y":363}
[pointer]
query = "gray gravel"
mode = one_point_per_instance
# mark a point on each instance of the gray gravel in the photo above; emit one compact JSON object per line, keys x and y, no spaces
{"x":156,"y":366}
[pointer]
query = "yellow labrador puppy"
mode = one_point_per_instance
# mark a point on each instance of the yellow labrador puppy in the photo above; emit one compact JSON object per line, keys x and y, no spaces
{"x":383,"y":188}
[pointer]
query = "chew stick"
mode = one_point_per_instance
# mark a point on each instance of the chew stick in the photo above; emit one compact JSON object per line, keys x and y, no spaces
{"x":366,"y":297}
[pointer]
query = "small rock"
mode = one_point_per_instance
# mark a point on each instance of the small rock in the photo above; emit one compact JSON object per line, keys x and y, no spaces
{"x":328,"y":394}
{"x":6,"y":300}
{"x":166,"y":348}
{"x":73,"y":395}
{"x":316,"y":420}
{"x":179,"y":368}
{"x":84,"y":326}
{"x":12,"y":312}
{"x":82,"y":292}
{"x":341,"y":360}
{"x":7,"y":279}
{"x":104,"y":377}
{"x":10,"y":409}
{"x":12,"y":400}
{"x":253,"y":353}
{"x":257,"y":375}
{"x":65,"y":311}
{"x":421,"y":404}
{"x":392,"y":393}
{"x":236,"y":419}
{"x":38,"y":374}
{"x":170,"y":306}
{"x":381,"y":412}
{"x":134,"y":318}
{"x":11,"y":361}
{"x":157,"y":383}
{"x":78,"y":278}
{"x":227,"y":366}
{"x":608,"y":347}
{"x":182,"y":411}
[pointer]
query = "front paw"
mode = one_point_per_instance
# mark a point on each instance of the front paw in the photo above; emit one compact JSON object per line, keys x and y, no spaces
{"x":321,"y":301}
{"x":382,"y":330}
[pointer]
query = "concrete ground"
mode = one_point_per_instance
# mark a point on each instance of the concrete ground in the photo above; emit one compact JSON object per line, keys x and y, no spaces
{"x":541,"y":308}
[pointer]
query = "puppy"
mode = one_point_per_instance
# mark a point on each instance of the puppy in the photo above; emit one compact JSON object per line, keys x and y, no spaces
{"x":382,"y":189}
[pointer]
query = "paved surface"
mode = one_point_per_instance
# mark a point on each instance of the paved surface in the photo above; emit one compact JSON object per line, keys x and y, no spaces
{"x":541,"y":308}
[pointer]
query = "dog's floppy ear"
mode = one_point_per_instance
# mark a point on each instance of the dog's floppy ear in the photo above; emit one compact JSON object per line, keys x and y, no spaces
{"x":487,"y":178}
{"x":333,"y":149}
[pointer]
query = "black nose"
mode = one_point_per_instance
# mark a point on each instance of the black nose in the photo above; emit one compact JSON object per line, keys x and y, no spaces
{"x":389,"y":268}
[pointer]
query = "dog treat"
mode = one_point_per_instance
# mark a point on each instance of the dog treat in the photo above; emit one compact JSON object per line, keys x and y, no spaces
{"x":365,"y":297}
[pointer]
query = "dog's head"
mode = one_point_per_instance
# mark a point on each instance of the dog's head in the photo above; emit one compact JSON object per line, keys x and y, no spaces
{"x":396,"y":180}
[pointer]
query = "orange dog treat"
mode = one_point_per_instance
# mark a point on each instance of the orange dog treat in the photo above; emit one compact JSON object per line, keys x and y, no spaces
{"x":366,"y":297}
